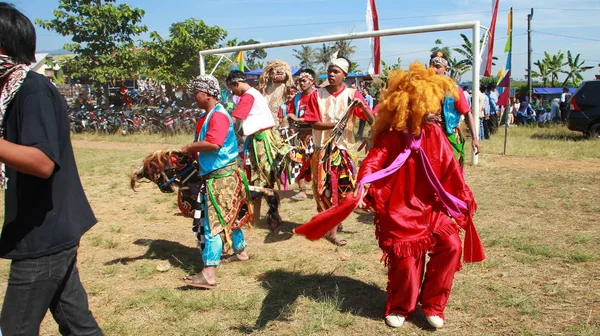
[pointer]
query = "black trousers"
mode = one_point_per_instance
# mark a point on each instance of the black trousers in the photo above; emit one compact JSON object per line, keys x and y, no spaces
{"x":50,"y":282}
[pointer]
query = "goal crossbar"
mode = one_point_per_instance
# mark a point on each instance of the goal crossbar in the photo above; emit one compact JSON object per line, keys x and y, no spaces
{"x":474,"y":26}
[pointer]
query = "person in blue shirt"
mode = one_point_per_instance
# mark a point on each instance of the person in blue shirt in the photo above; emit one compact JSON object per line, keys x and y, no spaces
{"x":223,"y":205}
{"x":361,"y":123}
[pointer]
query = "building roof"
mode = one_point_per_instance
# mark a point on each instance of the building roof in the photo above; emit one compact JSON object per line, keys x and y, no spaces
{"x":40,"y":61}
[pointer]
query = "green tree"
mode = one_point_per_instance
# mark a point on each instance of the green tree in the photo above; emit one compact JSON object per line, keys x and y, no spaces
{"x":466,"y":51}
{"x":354,"y":67}
{"x":344,"y":48}
{"x":306,"y":56}
{"x":102,"y":36}
{"x":387,"y":69}
{"x":439,"y":46}
{"x":554,"y":64}
{"x":323,"y":56}
{"x":575,"y":70}
{"x":458,"y":68}
{"x":253,"y":56}
{"x":175,"y":60}
{"x":541,"y":74}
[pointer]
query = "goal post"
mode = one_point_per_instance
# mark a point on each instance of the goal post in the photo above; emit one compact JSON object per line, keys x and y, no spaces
{"x":474,"y":26}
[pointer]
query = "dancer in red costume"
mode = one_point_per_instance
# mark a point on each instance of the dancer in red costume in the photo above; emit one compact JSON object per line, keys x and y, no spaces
{"x":415,"y":186}
{"x":411,"y":220}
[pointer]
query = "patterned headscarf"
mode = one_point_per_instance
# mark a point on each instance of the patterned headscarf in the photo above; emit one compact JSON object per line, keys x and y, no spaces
{"x":12,"y":74}
{"x":207,"y":84}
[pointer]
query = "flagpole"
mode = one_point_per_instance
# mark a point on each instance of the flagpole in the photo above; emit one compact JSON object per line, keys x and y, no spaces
{"x":508,"y":105}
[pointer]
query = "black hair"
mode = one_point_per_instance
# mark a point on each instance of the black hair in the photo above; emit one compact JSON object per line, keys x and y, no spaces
{"x":308,"y":71}
{"x":465,"y":88}
{"x":491,"y":87}
{"x":565,"y":89}
{"x":235,"y":76}
{"x":17,"y":34}
{"x":482,"y":88}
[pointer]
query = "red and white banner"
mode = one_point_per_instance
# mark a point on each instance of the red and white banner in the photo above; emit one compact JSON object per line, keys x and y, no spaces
{"x":373,"y":25}
{"x":487,"y":61}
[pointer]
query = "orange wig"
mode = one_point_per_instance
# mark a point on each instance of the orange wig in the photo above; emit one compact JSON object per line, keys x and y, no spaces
{"x":409,"y":97}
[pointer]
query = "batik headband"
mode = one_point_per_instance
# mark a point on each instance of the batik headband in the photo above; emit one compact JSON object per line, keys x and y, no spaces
{"x":207,"y":84}
{"x":439,"y":60}
{"x":307,"y":75}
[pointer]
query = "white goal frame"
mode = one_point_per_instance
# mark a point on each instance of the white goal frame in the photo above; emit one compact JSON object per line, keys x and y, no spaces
{"x":474,"y":26}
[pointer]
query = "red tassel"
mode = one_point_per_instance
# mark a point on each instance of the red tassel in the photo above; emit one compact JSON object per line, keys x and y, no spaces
{"x":473,"y":250}
{"x":325,"y":221}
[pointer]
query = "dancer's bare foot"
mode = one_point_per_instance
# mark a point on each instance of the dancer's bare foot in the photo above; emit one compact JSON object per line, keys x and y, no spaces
{"x":242,"y":256}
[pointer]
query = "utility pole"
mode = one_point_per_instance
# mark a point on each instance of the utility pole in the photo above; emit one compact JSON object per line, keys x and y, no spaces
{"x":529,"y":86}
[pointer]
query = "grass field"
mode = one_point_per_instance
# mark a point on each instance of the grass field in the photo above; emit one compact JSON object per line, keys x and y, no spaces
{"x":539,"y":218}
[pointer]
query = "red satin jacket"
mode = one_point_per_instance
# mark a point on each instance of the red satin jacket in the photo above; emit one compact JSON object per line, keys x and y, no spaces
{"x":407,"y":210}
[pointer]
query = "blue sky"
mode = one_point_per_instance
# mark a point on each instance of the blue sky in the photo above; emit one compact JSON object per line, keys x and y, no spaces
{"x":271,"y":20}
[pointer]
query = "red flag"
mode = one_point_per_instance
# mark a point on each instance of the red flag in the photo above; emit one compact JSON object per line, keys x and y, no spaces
{"x":373,"y":25}
{"x":490,"y":45}
{"x":503,"y":99}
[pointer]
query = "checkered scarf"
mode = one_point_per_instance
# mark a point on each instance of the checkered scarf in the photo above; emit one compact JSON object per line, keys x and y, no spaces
{"x":12,"y":75}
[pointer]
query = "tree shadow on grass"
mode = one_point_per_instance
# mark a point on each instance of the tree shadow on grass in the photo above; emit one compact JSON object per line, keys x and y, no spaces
{"x":186,"y":258}
{"x":350,"y":295}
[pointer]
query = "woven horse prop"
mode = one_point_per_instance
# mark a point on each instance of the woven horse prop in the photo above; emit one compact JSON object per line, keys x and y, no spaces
{"x":171,"y":169}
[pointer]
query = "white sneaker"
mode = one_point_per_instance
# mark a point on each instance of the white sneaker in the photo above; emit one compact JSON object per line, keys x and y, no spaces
{"x":394,"y":320}
{"x":435,"y":321}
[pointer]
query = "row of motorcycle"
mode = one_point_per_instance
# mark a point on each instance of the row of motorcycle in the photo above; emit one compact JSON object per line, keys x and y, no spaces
{"x":165,"y":120}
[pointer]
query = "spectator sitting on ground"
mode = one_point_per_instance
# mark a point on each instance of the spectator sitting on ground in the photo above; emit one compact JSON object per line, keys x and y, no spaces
{"x":526,"y":114}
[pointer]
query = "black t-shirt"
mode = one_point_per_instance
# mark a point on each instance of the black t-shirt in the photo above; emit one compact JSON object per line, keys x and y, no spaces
{"x":42,"y":216}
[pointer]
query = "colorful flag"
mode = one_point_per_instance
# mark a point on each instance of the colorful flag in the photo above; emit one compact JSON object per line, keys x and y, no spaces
{"x":240,"y":61}
{"x":487,"y":64}
{"x":373,"y":25}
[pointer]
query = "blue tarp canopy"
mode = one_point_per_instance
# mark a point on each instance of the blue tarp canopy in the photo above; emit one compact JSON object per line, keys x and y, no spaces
{"x":350,"y":75}
{"x":551,"y":91}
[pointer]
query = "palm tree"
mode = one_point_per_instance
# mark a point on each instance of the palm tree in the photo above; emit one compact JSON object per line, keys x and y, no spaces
{"x":458,"y":68}
{"x":354,"y":67}
{"x":439,"y":47}
{"x":554,"y":64}
{"x":575,"y":70}
{"x":466,"y":50}
{"x":542,"y":73}
{"x":323,"y":56}
{"x":305,"y":55}
{"x":344,"y":48}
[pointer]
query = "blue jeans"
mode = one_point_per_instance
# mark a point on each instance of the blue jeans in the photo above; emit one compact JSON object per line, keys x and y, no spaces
{"x":50,"y":282}
{"x":481,"y":130}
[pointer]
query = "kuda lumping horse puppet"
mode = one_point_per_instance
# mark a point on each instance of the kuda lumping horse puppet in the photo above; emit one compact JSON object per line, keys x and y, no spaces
{"x":172,"y":170}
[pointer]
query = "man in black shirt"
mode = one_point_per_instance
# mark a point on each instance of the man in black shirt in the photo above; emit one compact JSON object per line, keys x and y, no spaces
{"x":46,"y":210}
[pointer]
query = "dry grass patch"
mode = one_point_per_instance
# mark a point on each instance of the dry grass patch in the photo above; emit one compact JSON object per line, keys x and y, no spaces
{"x":538,"y":218}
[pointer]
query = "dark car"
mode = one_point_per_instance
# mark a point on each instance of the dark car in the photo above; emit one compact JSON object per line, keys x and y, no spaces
{"x":584,"y":113}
